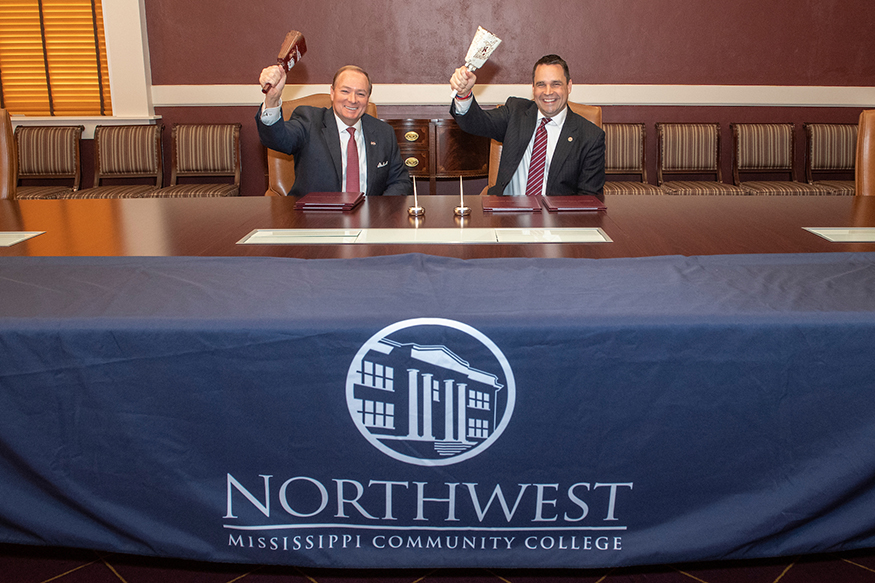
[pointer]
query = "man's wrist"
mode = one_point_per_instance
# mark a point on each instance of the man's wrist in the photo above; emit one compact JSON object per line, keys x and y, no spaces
{"x":464,"y":97}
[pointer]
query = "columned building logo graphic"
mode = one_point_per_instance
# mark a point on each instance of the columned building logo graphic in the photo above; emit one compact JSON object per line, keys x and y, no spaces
{"x":430,"y":391}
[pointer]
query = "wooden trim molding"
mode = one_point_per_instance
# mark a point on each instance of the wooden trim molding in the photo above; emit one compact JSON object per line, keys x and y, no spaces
{"x":425,"y":94}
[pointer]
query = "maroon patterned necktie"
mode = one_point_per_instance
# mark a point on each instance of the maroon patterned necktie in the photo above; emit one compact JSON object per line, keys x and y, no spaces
{"x":539,"y":161}
{"x":352,"y":163}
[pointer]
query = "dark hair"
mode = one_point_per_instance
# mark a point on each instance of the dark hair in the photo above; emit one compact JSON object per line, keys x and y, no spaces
{"x":552,"y":60}
{"x":357,"y":70}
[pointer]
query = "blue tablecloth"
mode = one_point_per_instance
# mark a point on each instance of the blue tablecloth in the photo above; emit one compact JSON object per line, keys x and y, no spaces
{"x":417,"y":410}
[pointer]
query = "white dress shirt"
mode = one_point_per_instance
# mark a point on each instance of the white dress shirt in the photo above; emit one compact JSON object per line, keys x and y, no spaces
{"x":360,"y":145}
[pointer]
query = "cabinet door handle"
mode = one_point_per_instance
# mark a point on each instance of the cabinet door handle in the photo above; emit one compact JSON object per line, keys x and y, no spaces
{"x":411,"y":136}
{"x":411,"y":162}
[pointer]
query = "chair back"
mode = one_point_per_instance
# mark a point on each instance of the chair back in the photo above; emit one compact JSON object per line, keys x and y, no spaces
{"x":688,"y":148}
{"x":8,"y":157}
{"x":49,"y":152}
{"x":624,"y":149}
{"x":198,"y":150}
{"x":206,"y":150}
{"x":129,"y":151}
{"x":762,"y":147}
{"x":832,"y":148}
{"x":281,"y":167}
{"x":865,"y":167}
{"x":592,"y":113}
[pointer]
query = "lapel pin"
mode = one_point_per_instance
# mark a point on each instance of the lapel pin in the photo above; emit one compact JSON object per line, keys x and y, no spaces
{"x":373,"y":143}
{"x":570,"y":139}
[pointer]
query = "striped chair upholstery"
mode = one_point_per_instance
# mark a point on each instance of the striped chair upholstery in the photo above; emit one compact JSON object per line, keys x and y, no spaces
{"x":691,"y":148}
{"x":204,"y":150}
{"x":832,"y":149}
{"x":767,"y":148}
{"x":125,"y":152}
{"x":48,"y":155}
{"x":625,"y":155}
{"x":115,"y":191}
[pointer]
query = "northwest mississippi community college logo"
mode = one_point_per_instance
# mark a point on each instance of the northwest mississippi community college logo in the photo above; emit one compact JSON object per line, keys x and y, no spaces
{"x":430,"y":391}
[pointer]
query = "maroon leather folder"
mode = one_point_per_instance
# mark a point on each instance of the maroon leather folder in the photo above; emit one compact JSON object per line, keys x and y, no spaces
{"x":512,"y":204}
{"x":329,"y":201}
{"x":584,"y":202}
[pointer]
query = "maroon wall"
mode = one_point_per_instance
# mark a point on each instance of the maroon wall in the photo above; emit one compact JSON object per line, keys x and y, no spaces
{"x":674,"y":42}
{"x":743,"y":42}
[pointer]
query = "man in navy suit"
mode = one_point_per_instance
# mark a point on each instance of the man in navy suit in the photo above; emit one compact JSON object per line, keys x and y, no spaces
{"x":575,"y":147}
{"x":319,"y":138}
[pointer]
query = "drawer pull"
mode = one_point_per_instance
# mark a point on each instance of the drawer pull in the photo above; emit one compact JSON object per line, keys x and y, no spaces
{"x":411,"y":136}
{"x":411,"y":162}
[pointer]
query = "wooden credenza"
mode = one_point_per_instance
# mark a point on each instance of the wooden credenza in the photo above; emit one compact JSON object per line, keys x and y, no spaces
{"x":438,"y":148}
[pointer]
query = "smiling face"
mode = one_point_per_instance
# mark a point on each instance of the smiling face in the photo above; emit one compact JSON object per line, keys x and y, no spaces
{"x":551,"y":89}
{"x":349,"y":96}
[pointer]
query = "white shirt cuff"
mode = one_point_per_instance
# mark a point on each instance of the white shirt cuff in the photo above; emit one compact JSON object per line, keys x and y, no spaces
{"x":271,"y":115}
{"x":463,"y":105}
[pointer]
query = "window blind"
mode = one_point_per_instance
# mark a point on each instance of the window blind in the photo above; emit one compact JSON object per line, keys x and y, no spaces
{"x":53,"y":58}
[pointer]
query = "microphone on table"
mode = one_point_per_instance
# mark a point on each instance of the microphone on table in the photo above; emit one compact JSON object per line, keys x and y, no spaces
{"x":461,"y":210}
{"x":415,"y":210}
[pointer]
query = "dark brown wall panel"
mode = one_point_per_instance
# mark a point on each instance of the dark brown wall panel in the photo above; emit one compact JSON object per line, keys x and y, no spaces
{"x":743,"y":42}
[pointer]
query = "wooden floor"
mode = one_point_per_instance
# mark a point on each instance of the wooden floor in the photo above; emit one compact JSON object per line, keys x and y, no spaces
{"x":24,"y":564}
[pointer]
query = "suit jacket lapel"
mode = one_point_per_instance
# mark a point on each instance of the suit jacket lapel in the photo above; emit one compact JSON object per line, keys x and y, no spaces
{"x":569,"y":134}
{"x":332,"y":139}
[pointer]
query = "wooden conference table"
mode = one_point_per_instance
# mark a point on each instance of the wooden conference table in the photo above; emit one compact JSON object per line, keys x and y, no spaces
{"x":637,"y":226}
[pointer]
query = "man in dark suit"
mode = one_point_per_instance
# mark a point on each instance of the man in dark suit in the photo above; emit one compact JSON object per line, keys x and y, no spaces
{"x":324,"y":140}
{"x":572,"y":149}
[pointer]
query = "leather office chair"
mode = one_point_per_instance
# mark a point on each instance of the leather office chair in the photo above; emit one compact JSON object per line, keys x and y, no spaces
{"x":8,"y":157}
{"x":591,"y":112}
{"x":865,"y":171}
{"x":281,"y":167}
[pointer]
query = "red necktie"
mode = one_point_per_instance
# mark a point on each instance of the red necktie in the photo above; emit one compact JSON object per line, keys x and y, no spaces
{"x":352,"y":163}
{"x":539,"y":161}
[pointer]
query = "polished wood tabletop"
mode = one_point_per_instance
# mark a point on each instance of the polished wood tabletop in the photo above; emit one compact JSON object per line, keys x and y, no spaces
{"x":638,"y":226}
